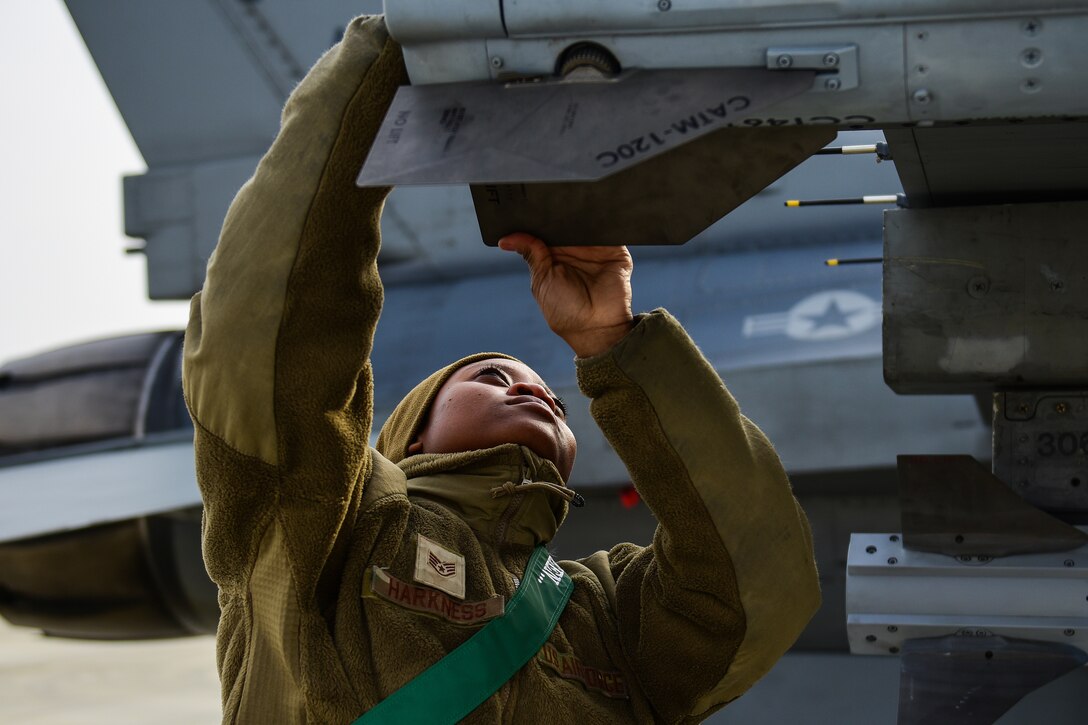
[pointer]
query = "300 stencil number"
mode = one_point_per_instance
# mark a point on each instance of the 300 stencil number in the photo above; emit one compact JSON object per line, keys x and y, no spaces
{"x":1061,"y":444}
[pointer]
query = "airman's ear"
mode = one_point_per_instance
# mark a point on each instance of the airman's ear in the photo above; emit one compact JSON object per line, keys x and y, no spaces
{"x":415,"y":447}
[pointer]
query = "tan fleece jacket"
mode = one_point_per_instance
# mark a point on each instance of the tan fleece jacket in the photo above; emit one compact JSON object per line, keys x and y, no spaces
{"x":304,"y":523}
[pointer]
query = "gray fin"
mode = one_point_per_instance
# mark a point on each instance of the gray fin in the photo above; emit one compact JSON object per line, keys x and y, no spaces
{"x":957,"y":680}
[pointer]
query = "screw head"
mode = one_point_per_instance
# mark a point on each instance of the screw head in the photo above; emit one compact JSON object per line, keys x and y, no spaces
{"x":832,"y":84}
{"x":870,"y":549}
{"x":893,"y":628}
{"x":1069,"y":632}
{"x":870,"y":638}
{"x":784,"y":60}
{"x":1069,"y":563}
{"x":496,"y":61}
{"x":1023,"y":408}
{"x":893,"y":537}
{"x":892,"y":560}
{"x":977,"y":286}
{"x":1031,"y":57}
{"x":831,"y":60}
{"x":1031,"y":85}
{"x":664,"y":5}
{"x":922,"y":96}
{"x":1031,"y":27}
{"x":1061,"y":408}
{"x":894,"y":650}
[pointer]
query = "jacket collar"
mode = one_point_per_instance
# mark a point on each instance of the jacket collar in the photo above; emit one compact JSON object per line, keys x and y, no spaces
{"x":463,"y":483}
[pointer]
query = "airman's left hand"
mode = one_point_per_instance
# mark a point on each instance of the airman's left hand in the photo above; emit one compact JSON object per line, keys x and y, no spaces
{"x":584,"y":293}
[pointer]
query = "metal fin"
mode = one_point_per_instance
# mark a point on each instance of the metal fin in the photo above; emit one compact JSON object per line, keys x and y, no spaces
{"x":561,"y":130}
{"x":706,"y":178}
{"x":975,"y":680}
{"x":953,"y":505}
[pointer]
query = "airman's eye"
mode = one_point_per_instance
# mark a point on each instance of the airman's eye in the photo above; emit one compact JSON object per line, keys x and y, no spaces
{"x":562,"y":405}
{"x":492,"y":372}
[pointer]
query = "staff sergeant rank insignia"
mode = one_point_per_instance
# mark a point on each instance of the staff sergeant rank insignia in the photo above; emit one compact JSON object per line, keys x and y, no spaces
{"x":439,"y":568}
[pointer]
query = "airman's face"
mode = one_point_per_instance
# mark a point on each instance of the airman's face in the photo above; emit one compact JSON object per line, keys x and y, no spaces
{"x":495,"y":401}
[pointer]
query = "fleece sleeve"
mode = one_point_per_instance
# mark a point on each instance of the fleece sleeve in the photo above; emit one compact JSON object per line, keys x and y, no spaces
{"x":729,"y":580}
{"x":276,"y":363}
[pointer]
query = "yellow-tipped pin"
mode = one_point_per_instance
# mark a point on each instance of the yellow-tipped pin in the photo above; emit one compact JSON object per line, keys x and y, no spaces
{"x":872,"y":199}
{"x":859,"y":260}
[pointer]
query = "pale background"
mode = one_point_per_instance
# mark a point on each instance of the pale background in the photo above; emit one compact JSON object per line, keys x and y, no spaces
{"x":64,"y":278}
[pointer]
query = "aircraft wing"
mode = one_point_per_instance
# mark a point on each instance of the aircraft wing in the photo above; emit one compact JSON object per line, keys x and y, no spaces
{"x":115,"y":483}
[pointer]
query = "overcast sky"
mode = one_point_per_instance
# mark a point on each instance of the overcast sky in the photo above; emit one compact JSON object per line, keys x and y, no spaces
{"x":64,"y":276}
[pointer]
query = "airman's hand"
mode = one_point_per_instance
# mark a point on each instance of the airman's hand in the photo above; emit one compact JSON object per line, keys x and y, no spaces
{"x":584,"y":293}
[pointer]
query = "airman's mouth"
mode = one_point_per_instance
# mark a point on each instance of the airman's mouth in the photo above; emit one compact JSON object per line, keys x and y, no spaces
{"x":530,"y":399}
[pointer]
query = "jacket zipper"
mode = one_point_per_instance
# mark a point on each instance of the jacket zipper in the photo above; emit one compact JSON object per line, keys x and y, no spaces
{"x":504,"y":521}
{"x":515,"y":504}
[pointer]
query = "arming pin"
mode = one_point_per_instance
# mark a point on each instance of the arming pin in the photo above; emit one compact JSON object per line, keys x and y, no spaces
{"x":883,"y":153}
{"x":856,"y":260}
{"x":897,"y":199}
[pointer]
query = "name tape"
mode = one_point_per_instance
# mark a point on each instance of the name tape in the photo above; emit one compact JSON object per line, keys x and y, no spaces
{"x":380,"y":583}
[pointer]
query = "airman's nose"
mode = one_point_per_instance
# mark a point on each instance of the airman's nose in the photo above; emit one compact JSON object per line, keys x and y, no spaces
{"x":537,"y":391}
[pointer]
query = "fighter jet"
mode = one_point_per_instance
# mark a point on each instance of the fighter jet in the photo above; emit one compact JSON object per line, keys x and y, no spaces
{"x":965,"y":297}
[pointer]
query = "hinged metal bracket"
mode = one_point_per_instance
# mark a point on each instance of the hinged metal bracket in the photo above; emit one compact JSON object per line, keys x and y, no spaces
{"x":836,"y":66}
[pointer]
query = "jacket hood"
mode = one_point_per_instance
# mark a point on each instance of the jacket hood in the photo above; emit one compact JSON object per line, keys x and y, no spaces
{"x":410,"y":415}
{"x":507,"y":494}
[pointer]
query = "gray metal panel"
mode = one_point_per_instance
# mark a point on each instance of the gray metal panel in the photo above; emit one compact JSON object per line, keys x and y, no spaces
{"x":419,"y":20}
{"x":813,"y":688}
{"x":1041,"y":447}
{"x":894,"y":594}
{"x":115,"y":352}
{"x":525,"y":17}
{"x":179,"y":211}
{"x":422,"y":20}
{"x":1011,"y":67}
{"x":70,"y":493}
{"x":978,"y":297}
{"x":881,"y":95}
{"x":1023,"y":59}
{"x":71,"y":409}
{"x":992,"y":163}
{"x":976,"y":680}
{"x":80,"y":393}
{"x":206,"y":79}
